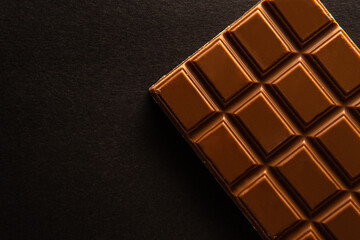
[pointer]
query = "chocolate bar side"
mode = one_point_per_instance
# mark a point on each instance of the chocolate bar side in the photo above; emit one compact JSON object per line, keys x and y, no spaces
{"x":264,"y":153}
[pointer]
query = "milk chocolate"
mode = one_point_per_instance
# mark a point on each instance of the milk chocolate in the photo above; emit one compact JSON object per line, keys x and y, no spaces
{"x":272,"y":107}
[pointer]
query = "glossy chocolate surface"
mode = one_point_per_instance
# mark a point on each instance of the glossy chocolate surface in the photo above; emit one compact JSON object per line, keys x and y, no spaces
{"x":272,"y":107}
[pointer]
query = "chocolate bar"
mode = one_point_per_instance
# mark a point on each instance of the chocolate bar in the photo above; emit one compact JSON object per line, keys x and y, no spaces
{"x":272,"y":107}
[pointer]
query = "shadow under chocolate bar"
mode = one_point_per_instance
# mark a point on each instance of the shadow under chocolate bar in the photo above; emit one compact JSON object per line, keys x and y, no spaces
{"x":272,"y":107}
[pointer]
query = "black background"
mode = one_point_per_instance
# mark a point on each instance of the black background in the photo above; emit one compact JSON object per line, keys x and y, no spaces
{"x":85,"y":152}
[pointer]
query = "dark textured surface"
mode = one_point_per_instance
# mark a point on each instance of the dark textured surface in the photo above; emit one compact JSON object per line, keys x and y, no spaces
{"x":85,"y":152}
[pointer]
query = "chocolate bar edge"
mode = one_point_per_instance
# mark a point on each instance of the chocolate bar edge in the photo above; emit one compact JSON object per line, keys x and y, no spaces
{"x":258,"y":228}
